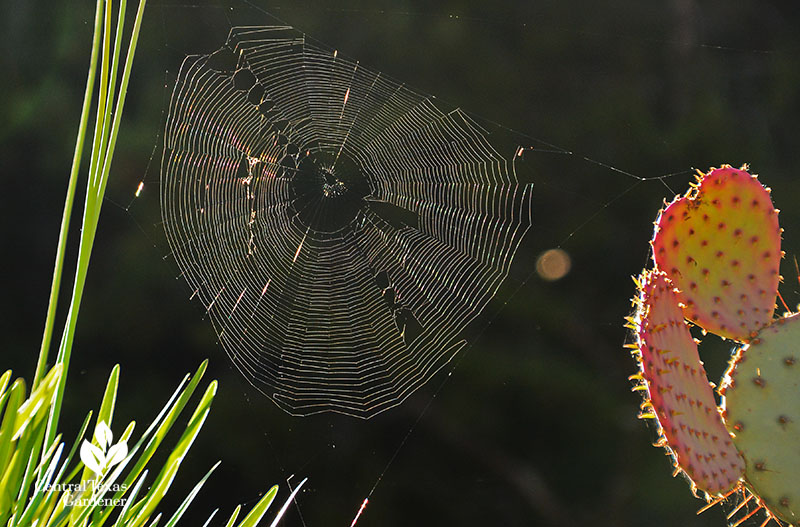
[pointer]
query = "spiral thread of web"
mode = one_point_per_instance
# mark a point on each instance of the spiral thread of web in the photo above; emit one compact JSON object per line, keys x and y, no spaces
{"x":338,"y":227}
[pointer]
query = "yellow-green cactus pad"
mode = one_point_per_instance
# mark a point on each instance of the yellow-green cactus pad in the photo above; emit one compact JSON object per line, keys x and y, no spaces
{"x":762,"y":407}
{"x":720,"y":244}
{"x":678,"y":391}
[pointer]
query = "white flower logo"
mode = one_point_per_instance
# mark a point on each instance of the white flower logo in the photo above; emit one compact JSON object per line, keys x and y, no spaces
{"x":99,"y":459}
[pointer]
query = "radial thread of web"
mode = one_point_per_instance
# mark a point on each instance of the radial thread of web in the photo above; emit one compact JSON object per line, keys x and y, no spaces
{"x":340,"y":229}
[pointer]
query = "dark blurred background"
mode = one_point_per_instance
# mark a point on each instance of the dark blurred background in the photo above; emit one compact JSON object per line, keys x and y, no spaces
{"x":536,"y":425}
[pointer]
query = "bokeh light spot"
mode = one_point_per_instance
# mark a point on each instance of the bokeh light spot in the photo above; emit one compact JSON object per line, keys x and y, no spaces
{"x":553,"y":264}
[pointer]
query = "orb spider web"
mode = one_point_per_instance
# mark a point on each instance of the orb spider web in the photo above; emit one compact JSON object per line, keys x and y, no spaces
{"x":340,"y":229}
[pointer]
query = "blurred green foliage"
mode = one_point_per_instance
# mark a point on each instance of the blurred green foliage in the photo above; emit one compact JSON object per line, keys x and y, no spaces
{"x":536,"y":426}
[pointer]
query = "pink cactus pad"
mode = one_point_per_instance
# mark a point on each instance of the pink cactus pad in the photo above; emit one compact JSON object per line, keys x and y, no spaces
{"x":720,"y":244}
{"x":679,"y":392}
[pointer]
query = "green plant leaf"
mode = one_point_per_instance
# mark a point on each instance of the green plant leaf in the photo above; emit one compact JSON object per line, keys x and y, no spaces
{"x":35,"y":406}
{"x":232,"y":519}
{"x":164,"y":479}
{"x":39,"y":493}
{"x":288,"y":502}
{"x":161,"y":425}
{"x":16,"y":395}
{"x":100,"y":165}
{"x":30,"y":468}
{"x":189,"y":498}
{"x":125,"y":514}
{"x":4,"y":380}
{"x":72,"y":451}
{"x":58,"y":267}
{"x":106,"y":413}
{"x":260,"y":509}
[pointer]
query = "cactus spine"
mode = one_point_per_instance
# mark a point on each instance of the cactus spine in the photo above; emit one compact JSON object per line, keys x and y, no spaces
{"x":716,"y":254}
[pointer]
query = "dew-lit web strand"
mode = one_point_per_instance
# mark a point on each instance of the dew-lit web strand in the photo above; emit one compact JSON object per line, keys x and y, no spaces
{"x":660,"y":178}
{"x":468,"y":347}
{"x":548,"y":147}
{"x":552,"y":148}
{"x":541,"y":150}
{"x":513,"y":294}
{"x":418,"y":283}
{"x":609,"y":167}
{"x":239,"y":298}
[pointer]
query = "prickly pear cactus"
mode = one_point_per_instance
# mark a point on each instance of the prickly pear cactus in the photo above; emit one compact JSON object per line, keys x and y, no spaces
{"x":762,"y":406}
{"x":680,"y":393}
{"x":720,"y":246}
{"x":716,"y":257}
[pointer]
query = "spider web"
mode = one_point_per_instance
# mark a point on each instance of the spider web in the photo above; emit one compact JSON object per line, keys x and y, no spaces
{"x":340,"y":229}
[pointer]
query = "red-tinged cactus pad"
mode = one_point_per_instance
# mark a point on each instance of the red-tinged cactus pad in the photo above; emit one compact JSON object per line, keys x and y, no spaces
{"x":762,"y":403}
{"x":720,"y":244}
{"x":679,"y":392}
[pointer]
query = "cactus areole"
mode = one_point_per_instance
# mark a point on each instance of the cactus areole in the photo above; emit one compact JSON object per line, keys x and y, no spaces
{"x":720,"y":246}
{"x":716,"y":253}
{"x":762,"y":403}
{"x":679,"y":392}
